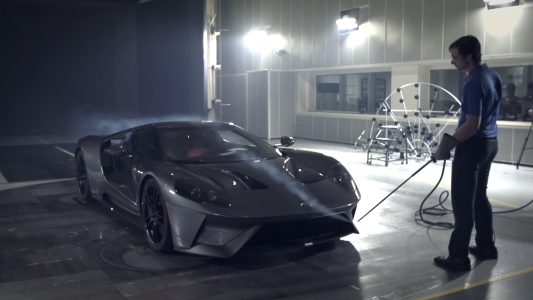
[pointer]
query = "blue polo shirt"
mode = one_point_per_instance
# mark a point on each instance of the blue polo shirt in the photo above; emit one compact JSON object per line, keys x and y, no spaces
{"x":482,"y":94}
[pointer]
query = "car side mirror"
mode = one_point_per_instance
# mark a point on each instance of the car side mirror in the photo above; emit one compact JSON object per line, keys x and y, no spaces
{"x":286,"y":141}
{"x":116,"y":150}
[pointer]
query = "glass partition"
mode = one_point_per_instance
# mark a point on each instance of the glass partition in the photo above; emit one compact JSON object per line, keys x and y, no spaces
{"x":360,"y":93}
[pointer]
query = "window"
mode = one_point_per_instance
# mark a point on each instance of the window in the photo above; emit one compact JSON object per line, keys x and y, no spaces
{"x":517,"y":90}
{"x":120,"y":140}
{"x":144,"y":142}
{"x":212,"y":142}
{"x":360,"y":93}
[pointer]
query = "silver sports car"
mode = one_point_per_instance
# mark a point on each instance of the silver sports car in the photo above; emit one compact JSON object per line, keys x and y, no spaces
{"x":212,"y":188}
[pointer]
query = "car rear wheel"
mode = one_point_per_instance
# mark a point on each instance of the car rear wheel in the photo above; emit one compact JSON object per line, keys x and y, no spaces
{"x":154,"y":218}
{"x":84,"y":190}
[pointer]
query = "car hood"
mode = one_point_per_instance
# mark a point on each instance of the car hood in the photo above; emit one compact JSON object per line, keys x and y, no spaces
{"x":258,"y":174}
{"x":274,"y":187}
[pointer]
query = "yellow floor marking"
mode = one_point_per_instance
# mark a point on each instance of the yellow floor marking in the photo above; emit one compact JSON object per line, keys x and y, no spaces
{"x":472,"y":285}
{"x":416,"y":179}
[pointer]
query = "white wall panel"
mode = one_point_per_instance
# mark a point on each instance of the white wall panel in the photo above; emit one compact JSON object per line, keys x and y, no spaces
{"x":307,"y":34}
{"x":242,"y":103}
{"x":266,"y":20}
{"x":345,"y":40}
{"x":522,"y":34}
{"x":239,"y":30}
{"x":298,"y":129}
{"x":475,"y":24}
{"x":319,"y":28}
{"x":345,"y":130}
{"x":248,"y":25}
{"x":275,"y":30}
{"x":257,"y":22}
{"x":319,"y":128}
{"x":287,"y":86}
{"x":432,"y":29}
{"x":263,"y":100}
{"x":332,"y":129}
{"x":252,"y":103}
{"x":306,"y":127}
{"x":377,"y":37}
{"x":228,"y":17}
{"x":285,"y":16}
{"x":412,"y":30}
{"x":454,"y":22}
{"x":394,"y":31}
{"x":274,"y":104}
{"x":346,"y":50}
{"x":358,"y":126}
{"x":498,"y":31}
{"x":360,"y":39}
{"x":234,"y":94}
{"x":229,"y":97}
{"x":332,"y":33}
{"x":296,"y":34}
{"x":519,"y":136}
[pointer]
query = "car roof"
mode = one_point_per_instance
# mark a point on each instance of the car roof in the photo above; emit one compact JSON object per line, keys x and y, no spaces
{"x":186,"y":123}
{"x":174,"y":124}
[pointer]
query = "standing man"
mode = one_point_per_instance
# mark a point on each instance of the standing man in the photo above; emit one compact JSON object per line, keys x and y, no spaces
{"x":477,"y":145}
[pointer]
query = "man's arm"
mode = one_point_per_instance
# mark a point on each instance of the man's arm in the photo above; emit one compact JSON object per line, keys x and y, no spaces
{"x":469,"y":128}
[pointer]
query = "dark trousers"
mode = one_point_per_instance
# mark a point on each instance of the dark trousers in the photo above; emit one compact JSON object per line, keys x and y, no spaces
{"x":470,"y":175}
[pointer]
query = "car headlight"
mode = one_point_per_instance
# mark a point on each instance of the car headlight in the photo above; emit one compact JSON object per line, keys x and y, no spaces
{"x":339,"y":175}
{"x":201,"y":193}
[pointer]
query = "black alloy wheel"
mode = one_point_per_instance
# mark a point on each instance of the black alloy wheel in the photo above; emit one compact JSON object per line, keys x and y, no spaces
{"x":81,"y":178}
{"x":155,"y":218}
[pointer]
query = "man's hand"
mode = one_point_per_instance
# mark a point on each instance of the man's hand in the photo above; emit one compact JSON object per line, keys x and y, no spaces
{"x":446,"y":145}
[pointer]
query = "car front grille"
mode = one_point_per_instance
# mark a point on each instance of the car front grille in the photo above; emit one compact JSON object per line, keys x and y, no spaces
{"x":304,"y":231}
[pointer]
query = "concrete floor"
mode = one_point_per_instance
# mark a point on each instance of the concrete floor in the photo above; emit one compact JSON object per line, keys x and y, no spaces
{"x":55,"y":247}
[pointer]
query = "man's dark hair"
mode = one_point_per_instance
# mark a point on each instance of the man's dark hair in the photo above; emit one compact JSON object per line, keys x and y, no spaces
{"x":468,"y":45}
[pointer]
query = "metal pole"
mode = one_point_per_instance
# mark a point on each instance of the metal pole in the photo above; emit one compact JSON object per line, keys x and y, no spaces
{"x":524,"y":147}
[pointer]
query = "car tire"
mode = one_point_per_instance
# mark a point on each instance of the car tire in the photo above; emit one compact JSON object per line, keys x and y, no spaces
{"x":84,"y":189}
{"x":154,"y":218}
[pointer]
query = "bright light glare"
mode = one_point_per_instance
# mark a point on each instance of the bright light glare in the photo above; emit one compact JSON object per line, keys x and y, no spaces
{"x":347,"y":24}
{"x":497,"y":2}
{"x":360,"y":36}
{"x":356,"y":38}
{"x":275,"y":41}
{"x":257,"y":39}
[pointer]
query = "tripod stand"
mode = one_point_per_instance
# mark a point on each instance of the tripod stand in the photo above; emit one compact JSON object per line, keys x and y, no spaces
{"x":524,"y":147}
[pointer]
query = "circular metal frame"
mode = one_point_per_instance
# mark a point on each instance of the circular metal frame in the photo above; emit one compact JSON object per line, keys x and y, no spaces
{"x":417,"y":144}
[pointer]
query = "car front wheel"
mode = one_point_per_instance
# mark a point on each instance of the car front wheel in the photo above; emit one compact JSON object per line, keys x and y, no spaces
{"x":154,"y":218}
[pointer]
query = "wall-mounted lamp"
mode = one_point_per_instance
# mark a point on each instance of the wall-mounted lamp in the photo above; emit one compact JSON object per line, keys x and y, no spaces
{"x":348,"y":21}
{"x":492,"y":4}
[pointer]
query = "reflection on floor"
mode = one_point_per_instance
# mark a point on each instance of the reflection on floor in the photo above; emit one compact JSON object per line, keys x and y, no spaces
{"x":55,"y":247}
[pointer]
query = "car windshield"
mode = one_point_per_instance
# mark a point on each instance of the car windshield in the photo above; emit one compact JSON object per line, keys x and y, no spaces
{"x":212,"y":142}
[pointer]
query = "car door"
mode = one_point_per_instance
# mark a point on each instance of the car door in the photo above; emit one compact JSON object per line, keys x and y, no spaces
{"x":144,"y":144}
{"x":117,"y":178}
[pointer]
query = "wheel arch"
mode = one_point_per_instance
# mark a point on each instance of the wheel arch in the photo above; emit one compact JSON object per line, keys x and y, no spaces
{"x":141,"y":189}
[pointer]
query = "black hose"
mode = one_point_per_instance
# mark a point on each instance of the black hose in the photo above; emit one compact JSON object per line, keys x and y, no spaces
{"x":442,"y":211}
{"x":435,"y":210}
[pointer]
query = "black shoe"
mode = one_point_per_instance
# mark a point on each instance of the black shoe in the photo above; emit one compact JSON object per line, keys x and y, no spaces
{"x":483,"y":253}
{"x":452,"y":264}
